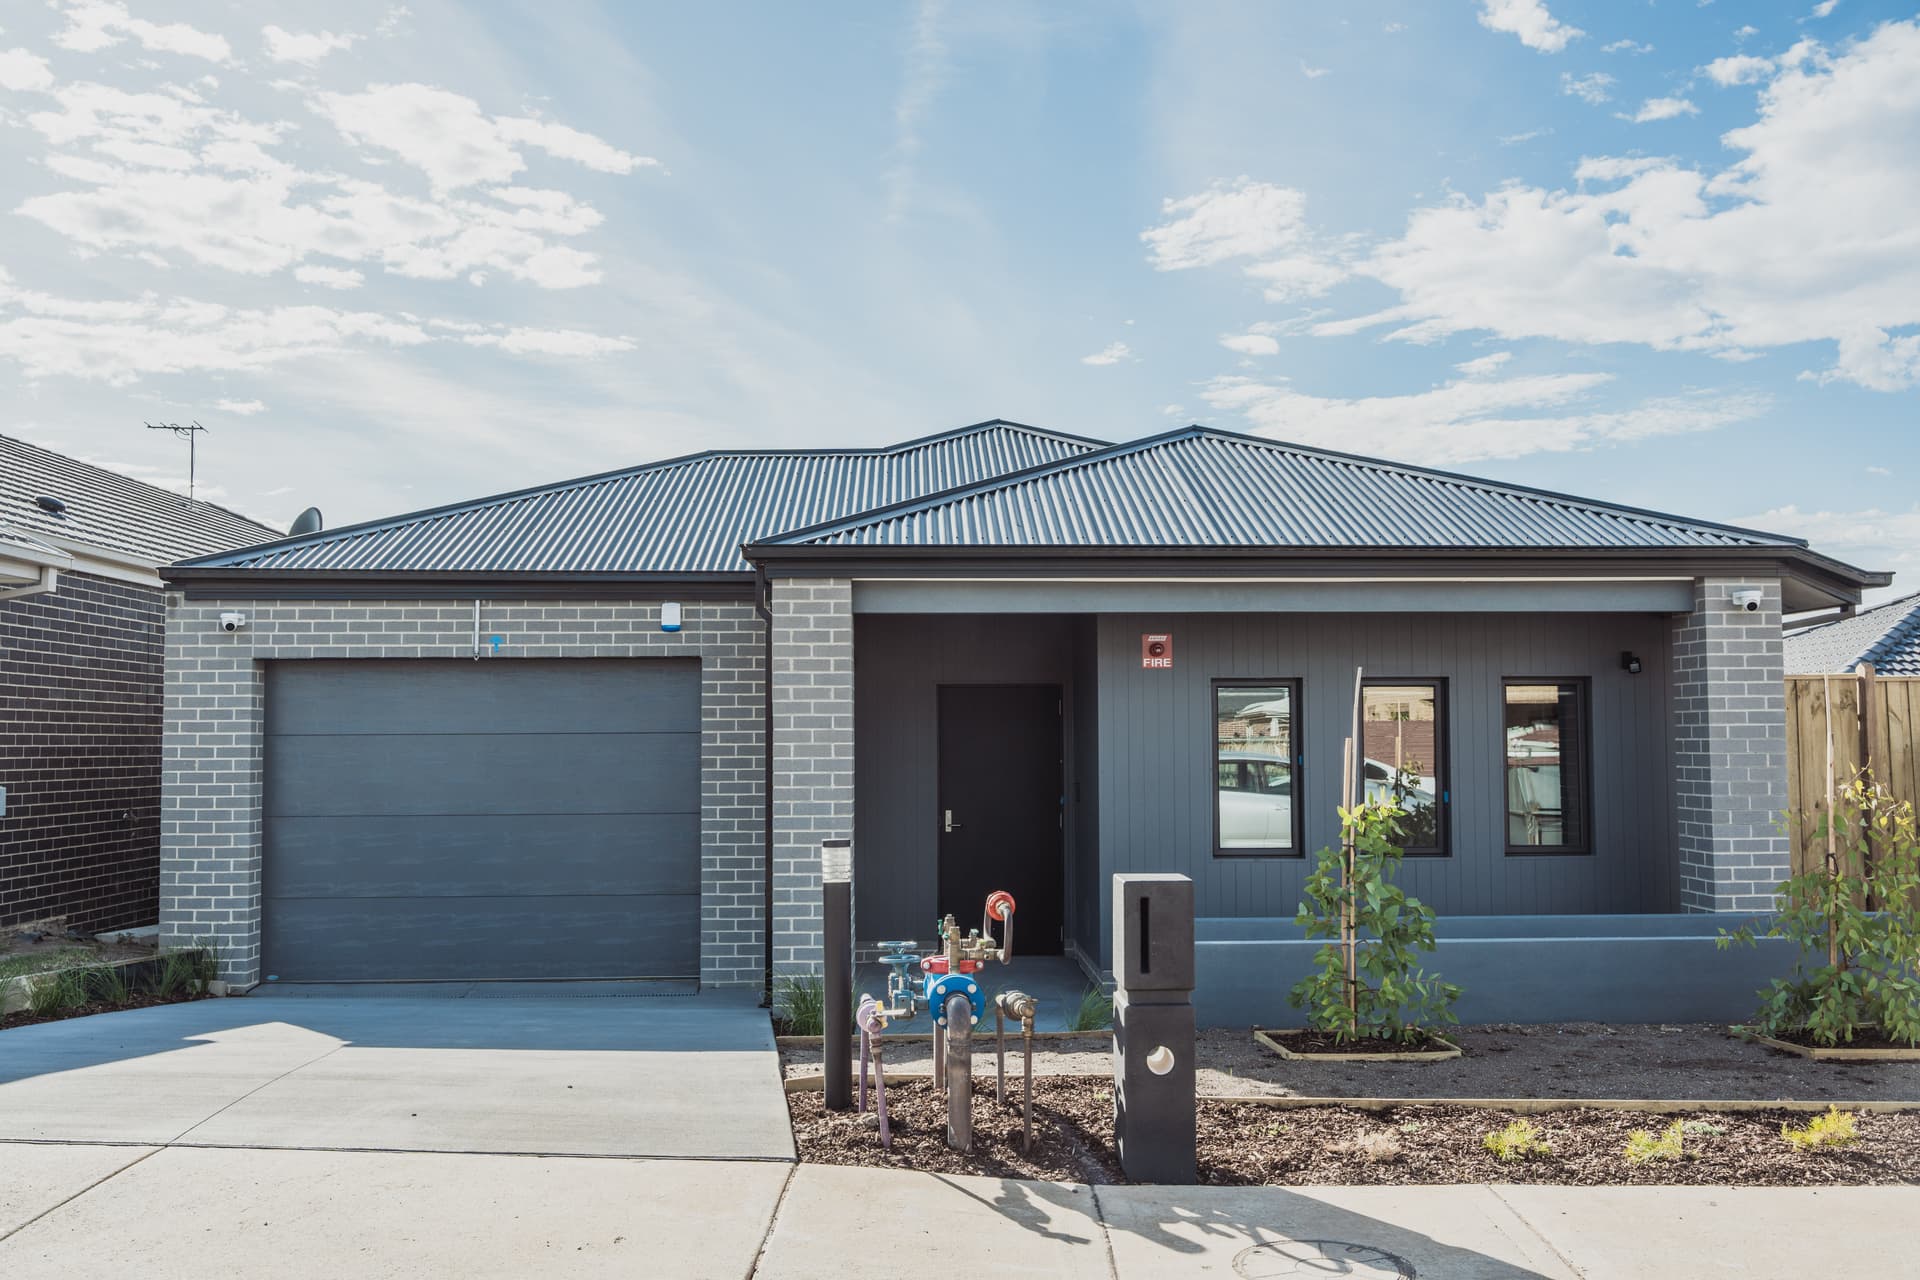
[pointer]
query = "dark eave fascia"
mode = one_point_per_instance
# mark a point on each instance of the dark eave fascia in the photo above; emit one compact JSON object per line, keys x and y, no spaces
{"x":1825,"y":573}
{"x":220,"y":583}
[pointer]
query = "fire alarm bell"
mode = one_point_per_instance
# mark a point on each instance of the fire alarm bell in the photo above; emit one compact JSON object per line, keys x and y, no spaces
{"x":1156,"y":652}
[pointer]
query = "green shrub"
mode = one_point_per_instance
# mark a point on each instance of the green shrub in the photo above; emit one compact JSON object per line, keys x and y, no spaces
{"x":1644,"y":1148}
{"x":1519,"y":1140}
{"x":185,"y":971}
{"x":52,"y":992}
{"x":1836,"y":1128}
{"x":1391,"y":997}
{"x":106,"y":984}
{"x":805,"y":1003}
{"x":1095,"y":1011}
{"x":1856,"y":923}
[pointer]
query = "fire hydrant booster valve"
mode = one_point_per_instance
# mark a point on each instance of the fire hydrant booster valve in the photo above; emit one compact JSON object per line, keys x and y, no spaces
{"x":954,"y":999}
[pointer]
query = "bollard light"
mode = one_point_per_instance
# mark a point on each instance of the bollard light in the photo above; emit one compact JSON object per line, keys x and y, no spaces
{"x":836,"y":861}
{"x":836,"y":929}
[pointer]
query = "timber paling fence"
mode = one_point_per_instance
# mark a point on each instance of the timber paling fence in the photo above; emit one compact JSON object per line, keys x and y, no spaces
{"x":1838,"y":725}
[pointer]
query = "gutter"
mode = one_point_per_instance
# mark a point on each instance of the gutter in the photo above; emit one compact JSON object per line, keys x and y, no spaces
{"x":763,"y":606}
{"x":42,"y":559}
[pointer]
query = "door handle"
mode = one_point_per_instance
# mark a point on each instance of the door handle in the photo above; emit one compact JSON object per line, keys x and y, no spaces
{"x":950,"y":824}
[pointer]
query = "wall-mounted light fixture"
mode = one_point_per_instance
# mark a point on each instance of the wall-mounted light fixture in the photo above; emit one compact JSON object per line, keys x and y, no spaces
{"x":1630,"y":663}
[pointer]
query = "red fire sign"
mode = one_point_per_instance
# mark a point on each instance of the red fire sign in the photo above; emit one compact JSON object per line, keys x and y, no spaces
{"x":1156,"y":652}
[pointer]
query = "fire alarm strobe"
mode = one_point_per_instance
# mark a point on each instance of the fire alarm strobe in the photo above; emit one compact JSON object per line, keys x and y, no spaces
{"x":1156,"y":652}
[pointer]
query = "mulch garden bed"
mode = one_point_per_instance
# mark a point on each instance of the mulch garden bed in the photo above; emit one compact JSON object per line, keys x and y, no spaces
{"x":140,"y":1000}
{"x":1862,"y":1039}
{"x":1248,"y":1144}
{"x":1325,"y":1042}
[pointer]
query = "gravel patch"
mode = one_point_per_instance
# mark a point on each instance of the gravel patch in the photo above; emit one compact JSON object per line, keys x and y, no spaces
{"x":1246,"y":1144}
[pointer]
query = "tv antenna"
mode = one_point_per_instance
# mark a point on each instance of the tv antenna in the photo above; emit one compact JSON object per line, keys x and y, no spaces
{"x":191,"y":434}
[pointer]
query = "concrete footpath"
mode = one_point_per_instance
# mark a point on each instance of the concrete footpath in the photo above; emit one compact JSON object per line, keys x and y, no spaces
{"x":189,"y":1212}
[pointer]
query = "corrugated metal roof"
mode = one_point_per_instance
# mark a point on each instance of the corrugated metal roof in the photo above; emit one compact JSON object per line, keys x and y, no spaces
{"x":1202,"y":488}
{"x":683,"y":515}
{"x":1886,"y":635}
{"x":111,"y":512}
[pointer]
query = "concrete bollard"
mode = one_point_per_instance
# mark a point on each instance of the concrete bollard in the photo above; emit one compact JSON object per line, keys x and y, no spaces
{"x":1153,"y":1027}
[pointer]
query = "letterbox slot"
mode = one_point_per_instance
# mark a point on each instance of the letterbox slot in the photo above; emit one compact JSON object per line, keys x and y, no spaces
{"x":1146,"y":935}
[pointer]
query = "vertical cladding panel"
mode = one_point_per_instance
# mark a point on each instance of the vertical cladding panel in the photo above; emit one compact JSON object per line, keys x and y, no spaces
{"x":1155,"y":736}
{"x":80,"y":722}
{"x":904,"y":659}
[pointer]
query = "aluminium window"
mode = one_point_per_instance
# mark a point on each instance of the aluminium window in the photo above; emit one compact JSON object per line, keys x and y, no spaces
{"x":1404,"y":736}
{"x":1547,"y":766}
{"x":1256,"y":768}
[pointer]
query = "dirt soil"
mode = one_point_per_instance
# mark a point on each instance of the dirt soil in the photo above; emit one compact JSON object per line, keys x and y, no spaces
{"x":50,"y":937}
{"x":1246,"y":1144}
{"x":141,"y":1000}
{"x":1562,"y":1060}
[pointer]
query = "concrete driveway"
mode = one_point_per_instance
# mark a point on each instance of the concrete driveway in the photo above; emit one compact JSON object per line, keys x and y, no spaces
{"x":394,"y":1132}
{"x":543,"y":1074}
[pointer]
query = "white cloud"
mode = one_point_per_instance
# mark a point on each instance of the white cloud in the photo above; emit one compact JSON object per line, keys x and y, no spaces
{"x":1247,"y":219}
{"x":1591,"y":88}
{"x":1515,"y":139}
{"x":1242,"y":219}
{"x":1743,"y":33}
{"x":1484,"y":365}
{"x":1313,"y":73}
{"x":25,"y":72}
{"x":99,"y":24}
{"x":1740,"y":68}
{"x":1664,"y":109}
{"x":1824,"y":8}
{"x":1807,"y":236}
{"x":1472,"y":419}
{"x":453,"y":142}
{"x":1112,"y":353}
{"x":1529,"y":20}
{"x":1250,"y":344}
{"x":1879,"y":471}
{"x":164,"y":175}
{"x":304,"y":47}
{"x":241,"y":408}
{"x":924,"y":77}
{"x":1626,"y":46}
{"x":1173,"y":410}
{"x":550,"y":342}
{"x":330,"y":277}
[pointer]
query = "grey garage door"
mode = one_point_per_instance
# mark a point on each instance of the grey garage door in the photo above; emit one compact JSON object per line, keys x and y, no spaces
{"x":493,"y":819}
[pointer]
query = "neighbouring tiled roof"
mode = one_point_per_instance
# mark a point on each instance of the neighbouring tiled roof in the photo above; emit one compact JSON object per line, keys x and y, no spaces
{"x":1203,"y":488}
{"x":683,"y":515}
{"x":111,"y":512}
{"x":1886,"y":635}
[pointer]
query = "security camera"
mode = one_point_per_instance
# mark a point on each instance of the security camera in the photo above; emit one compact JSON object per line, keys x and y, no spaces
{"x":232,"y":621}
{"x":1749,"y":598}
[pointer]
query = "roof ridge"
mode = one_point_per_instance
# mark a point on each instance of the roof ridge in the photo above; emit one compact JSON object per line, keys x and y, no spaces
{"x":556,"y":487}
{"x":1144,"y":444}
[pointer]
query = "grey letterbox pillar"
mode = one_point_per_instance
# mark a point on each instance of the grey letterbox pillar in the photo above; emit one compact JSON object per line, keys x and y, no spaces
{"x":1153,"y":1027}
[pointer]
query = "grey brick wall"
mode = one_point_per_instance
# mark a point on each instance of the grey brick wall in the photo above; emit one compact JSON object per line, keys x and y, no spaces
{"x":210,"y":822}
{"x":812,"y":756}
{"x":1730,"y":749}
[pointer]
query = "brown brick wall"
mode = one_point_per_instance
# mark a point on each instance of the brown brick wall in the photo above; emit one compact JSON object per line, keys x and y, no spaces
{"x":80,"y":717}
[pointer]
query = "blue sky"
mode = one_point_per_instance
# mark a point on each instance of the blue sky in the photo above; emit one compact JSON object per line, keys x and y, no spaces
{"x":1660,"y":253}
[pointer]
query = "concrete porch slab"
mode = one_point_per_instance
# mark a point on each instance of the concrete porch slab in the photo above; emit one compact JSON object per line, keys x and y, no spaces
{"x":189,"y":1212}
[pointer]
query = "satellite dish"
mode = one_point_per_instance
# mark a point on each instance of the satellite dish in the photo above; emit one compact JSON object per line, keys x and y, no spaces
{"x":307,"y":521}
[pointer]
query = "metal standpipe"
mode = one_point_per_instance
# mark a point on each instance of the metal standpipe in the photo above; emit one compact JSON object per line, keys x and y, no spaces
{"x":959,"y":1073}
{"x":1016,"y":1004}
{"x":836,"y":927}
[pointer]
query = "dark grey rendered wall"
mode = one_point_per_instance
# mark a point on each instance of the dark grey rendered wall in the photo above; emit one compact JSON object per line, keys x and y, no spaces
{"x":1156,"y":743}
{"x":1085,"y":902}
{"x":899,"y":663}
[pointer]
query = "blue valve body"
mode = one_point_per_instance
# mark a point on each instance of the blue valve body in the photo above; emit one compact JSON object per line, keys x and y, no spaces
{"x":940,"y":986}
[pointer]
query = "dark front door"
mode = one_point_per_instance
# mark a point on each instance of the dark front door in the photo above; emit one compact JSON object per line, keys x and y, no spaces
{"x":1000,"y":815}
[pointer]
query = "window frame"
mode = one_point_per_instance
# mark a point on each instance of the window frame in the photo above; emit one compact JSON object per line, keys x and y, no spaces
{"x":1298,"y":808}
{"x":1583,"y":848}
{"x":1442,"y":749}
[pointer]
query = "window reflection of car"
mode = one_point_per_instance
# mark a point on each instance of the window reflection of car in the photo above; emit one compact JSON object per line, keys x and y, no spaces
{"x":1256,"y":801}
{"x":1415,"y":792}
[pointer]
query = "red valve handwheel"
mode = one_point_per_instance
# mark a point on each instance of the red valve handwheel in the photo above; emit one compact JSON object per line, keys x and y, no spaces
{"x":1000,"y":904}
